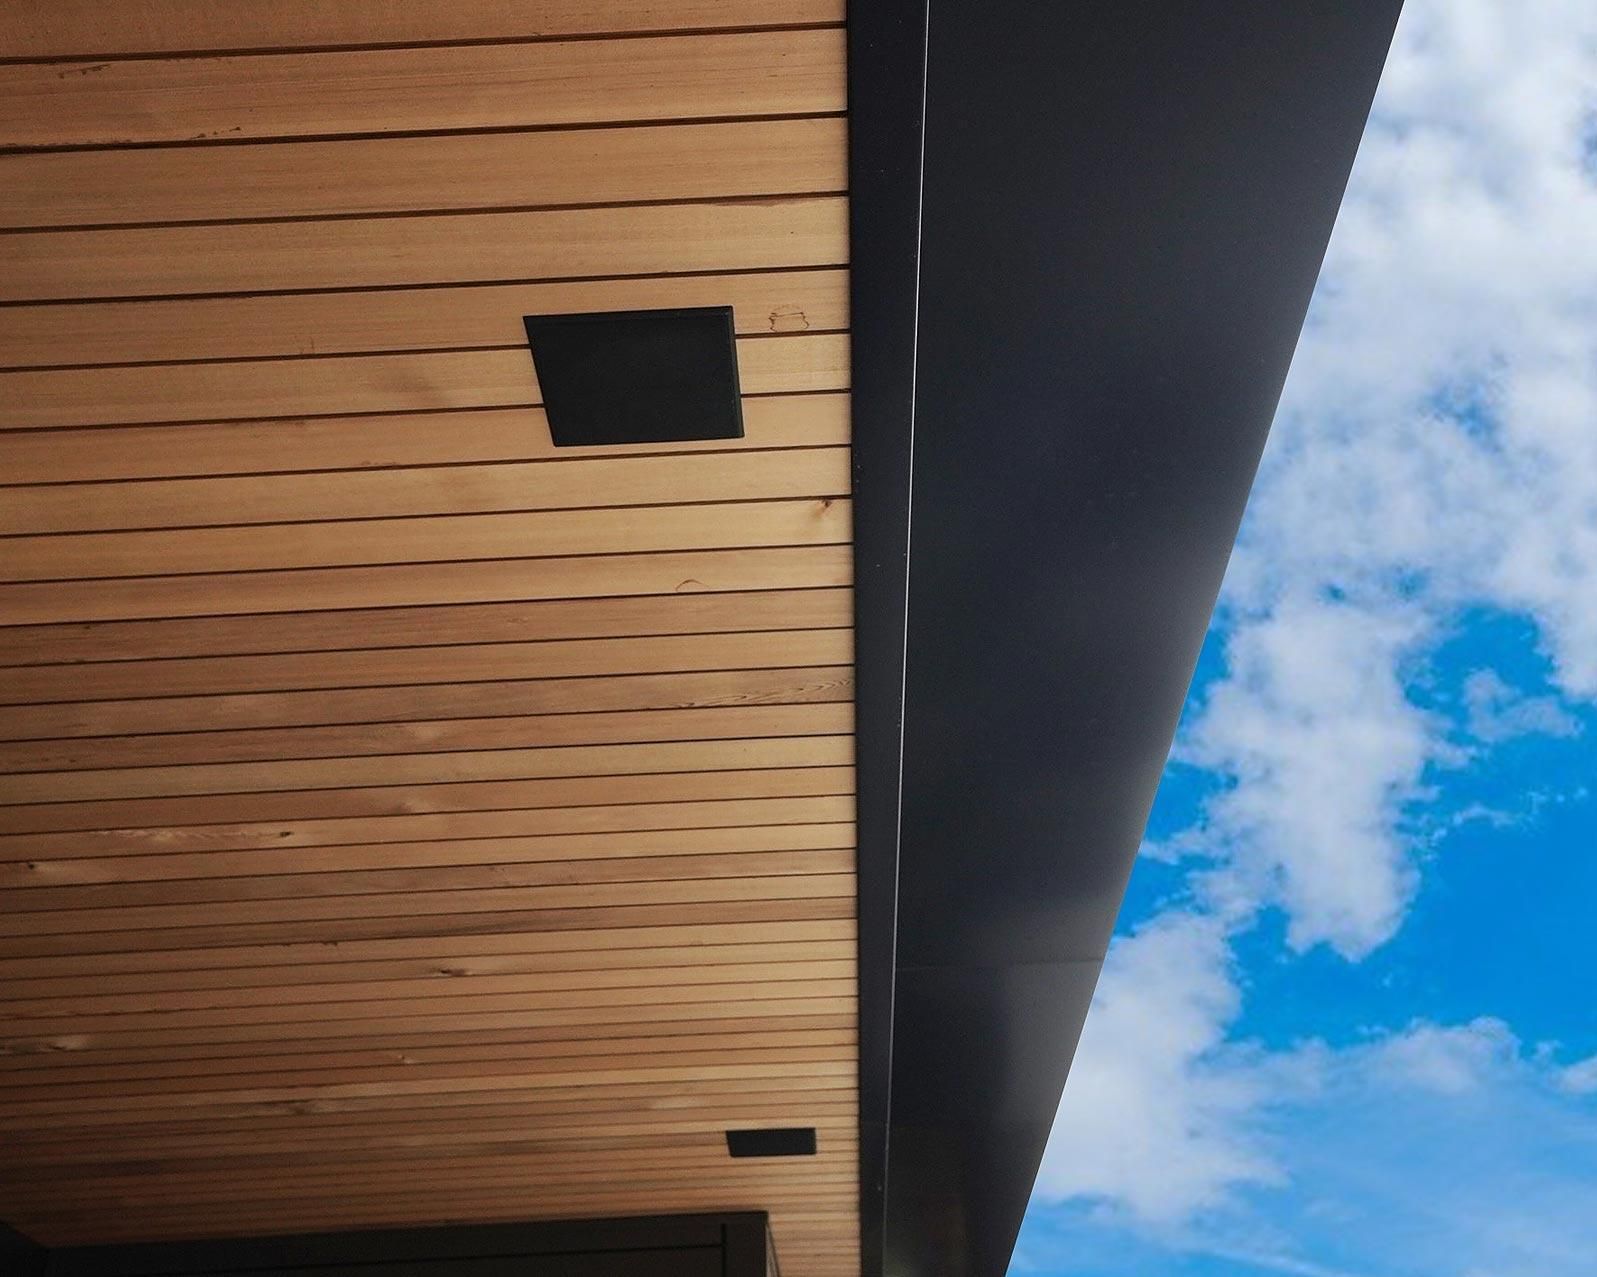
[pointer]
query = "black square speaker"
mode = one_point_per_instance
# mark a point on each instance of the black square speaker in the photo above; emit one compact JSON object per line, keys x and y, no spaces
{"x":772,"y":1141}
{"x":638,"y":376}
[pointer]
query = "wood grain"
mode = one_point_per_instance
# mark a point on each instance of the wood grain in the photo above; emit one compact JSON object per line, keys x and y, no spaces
{"x":327,"y":94}
{"x":441,"y":249}
{"x":111,"y":28}
{"x":356,"y":384}
{"x":423,"y":174}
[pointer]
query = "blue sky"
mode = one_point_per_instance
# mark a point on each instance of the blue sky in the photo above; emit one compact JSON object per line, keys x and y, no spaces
{"x":1348,"y":1025}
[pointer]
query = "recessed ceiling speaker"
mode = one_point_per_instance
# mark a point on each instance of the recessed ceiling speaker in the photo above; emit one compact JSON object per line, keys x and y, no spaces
{"x":638,"y":376}
{"x":778,"y":1141}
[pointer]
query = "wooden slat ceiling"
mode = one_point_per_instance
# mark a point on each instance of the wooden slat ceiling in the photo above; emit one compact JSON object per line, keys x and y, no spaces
{"x":402,"y":821}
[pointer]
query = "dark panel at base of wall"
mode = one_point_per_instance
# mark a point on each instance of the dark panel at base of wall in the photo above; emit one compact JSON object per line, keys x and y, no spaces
{"x":733,"y":1245}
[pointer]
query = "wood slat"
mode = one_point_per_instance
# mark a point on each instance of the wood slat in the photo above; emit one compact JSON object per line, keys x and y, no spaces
{"x":372,"y":442}
{"x":357,"y":1108}
{"x":446,"y":951}
{"x":425,"y":626}
{"x":351,"y":385}
{"x":88,"y":333}
{"x":304,"y":869}
{"x":313,"y":589}
{"x":537,"y":731}
{"x":476,"y":171}
{"x":687,"y":979}
{"x":112,"y":28}
{"x":452,"y":248}
{"x":596,"y":1021}
{"x":726,"y":686}
{"x":433,"y":970}
{"x":444,"y":490}
{"x":476,"y":537}
{"x":326,"y":94}
{"x":77,"y":1111}
{"x":429,"y":769}
{"x":393,"y":800}
{"x":483,"y":822}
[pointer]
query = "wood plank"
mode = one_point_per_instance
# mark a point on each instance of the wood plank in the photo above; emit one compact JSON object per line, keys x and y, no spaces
{"x":248,"y":981}
{"x":429,"y":769}
{"x":577,"y":946}
{"x":112,"y":28}
{"x":448,"y":249}
{"x":537,"y":731}
{"x":314,"y":589}
{"x":361,"y":1110}
{"x":382,"y":801}
{"x":826,"y":1092}
{"x":284,"y":445}
{"x":87,"y":333}
{"x":427,"y":539}
{"x":16,"y":1113}
{"x":88,"y":1052}
{"x":768,"y":907}
{"x":726,"y":686}
{"x":344,"y":385}
{"x":519,"y":85}
{"x":528,"y":1002}
{"x":601,"y":1021}
{"x":223,"y":636}
{"x":685,"y":979}
{"x":472,"y":171}
{"x":615,"y":817}
{"x":374,"y":494}
{"x":484,"y":1168}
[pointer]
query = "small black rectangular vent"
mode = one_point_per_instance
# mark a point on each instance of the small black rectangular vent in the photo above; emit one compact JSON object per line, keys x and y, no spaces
{"x":782,"y":1141}
{"x":638,"y":376}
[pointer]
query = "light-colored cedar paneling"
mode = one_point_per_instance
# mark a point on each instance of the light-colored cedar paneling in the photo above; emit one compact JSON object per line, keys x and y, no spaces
{"x":351,"y":385}
{"x":109,"y":28}
{"x":439,"y":490}
{"x":595,"y":1022}
{"x":384,"y":784}
{"x":423,"y":174}
{"x":82,"y":1113}
{"x":391,"y":441}
{"x":605,"y":906}
{"x":783,"y":684}
{"x":276,"y":979}
{"x":663,"y":975}
{"x":394,"y":667}
{"x":453,"y":248}
{"x":680,"y":813}
{"x":530,"y":849}
{"x":811,"y":717}
{"x":422,"y":583}
{"x":623,"y":530}
{"x":455,"y":318}
{"x":428,"y":769}
{"x":220,"y":636}
{"x":418,"y":90}
{"x":183,"y":811}
{"x":466,"y":948}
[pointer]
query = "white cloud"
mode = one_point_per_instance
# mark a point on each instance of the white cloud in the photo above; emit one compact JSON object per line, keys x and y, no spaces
{"x":1580,"y":1078}
{"x":1499,"y":712}
{"x":1446,"y":1060}
{"x":1435,"y":1150}
{"x":1156,"y":1116}
{"x":1312,"y":726}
